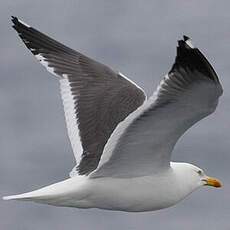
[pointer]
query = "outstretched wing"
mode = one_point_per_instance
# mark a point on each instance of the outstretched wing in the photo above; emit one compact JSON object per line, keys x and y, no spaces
{"x":143,"y":142}
{"x":95,"y":97}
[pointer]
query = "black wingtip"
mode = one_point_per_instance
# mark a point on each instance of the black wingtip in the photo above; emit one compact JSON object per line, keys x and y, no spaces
{"x":181,"y":43}
{"x":185,"y":43}
{"x":14,"y":20}
{"x":186,"y":38}
{"x":190,"y":57}
{"x":17,"y":23}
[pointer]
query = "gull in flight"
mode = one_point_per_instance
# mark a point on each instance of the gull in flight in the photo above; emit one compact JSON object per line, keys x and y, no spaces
{"x":122,"y":141}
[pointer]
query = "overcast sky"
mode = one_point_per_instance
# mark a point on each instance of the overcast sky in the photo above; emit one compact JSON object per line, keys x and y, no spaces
{"x":137,"y":38}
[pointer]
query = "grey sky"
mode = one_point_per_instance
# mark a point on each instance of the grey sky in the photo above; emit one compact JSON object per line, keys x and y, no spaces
{"x":137,"y":38}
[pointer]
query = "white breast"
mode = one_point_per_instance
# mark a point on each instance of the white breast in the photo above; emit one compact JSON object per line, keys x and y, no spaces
{"x":135,"y":194}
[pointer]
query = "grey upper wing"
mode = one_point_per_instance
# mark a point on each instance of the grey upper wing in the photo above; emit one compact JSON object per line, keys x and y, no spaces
{"x":142,"y":144}
{"x":95,"y":97}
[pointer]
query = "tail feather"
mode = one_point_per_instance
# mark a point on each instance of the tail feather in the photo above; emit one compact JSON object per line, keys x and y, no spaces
{"x":51,"y":193}
{"x":15,"y":197}
{"x":42,"y":193}
{"x":24,"y":196}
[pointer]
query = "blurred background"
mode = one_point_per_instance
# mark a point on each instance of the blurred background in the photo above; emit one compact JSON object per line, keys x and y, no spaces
{"x":139,"y":39}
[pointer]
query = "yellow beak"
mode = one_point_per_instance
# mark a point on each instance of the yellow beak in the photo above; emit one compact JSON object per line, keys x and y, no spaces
{"x":210,"y":181}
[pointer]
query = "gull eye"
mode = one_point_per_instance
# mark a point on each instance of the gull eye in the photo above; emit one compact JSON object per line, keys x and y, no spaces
{"x":199,"y":172}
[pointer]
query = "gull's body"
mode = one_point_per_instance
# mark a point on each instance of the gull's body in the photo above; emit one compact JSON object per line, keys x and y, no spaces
{"x":136,"y":194}
{"x":121,"y":140}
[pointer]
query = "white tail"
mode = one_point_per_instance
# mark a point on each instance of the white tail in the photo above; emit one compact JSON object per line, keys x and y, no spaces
{"x":24,"y":196}
{"x":52,"y":194}
{"x":42,"y":193}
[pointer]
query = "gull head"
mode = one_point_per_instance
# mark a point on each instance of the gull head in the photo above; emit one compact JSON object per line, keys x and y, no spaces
{"x":194,"y":176}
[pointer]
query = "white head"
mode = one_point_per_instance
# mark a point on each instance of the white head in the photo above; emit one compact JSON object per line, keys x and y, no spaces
{"x":192,"y":177}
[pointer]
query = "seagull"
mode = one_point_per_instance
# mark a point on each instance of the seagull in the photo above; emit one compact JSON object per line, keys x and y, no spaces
{"x":122,"y":140}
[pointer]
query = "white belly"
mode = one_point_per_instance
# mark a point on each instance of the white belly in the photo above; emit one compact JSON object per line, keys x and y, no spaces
{"x":132,"y":194}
